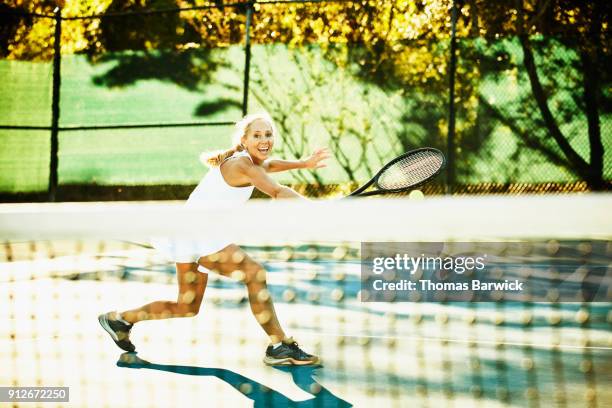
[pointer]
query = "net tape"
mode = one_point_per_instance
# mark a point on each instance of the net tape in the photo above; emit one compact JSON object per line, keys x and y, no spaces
{"x":435,"y":219}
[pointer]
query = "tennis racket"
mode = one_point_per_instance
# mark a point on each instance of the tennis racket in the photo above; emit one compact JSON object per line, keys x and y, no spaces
{"x":405,"y":172}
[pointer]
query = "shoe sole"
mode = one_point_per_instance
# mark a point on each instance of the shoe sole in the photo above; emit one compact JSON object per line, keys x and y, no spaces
{"x":104,"y":323}
{"x":289,"y":361}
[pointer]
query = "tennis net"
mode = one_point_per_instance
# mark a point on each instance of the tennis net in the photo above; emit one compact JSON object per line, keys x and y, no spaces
{"x":381,"y":289}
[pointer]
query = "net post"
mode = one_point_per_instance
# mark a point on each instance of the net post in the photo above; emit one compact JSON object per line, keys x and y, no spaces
{"x":247,"y":58}
{"x":55,"y":108}
{"x":450,"y":149}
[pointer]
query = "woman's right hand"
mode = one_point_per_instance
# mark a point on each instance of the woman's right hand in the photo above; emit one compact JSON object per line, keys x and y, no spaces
{"x":315,"y":160}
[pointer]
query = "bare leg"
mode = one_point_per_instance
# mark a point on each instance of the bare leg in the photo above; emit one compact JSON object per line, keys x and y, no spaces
{"x":192,"y":284}
{"x":235,"y":263}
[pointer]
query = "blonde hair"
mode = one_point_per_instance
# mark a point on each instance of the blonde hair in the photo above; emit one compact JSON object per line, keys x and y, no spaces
{"x":214,"y":159}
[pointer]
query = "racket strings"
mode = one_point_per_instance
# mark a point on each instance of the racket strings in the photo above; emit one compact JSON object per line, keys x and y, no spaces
{"x":411,"y":170}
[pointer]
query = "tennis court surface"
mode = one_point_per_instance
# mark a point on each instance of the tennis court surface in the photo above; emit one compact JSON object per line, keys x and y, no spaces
{"x":62,"y":265}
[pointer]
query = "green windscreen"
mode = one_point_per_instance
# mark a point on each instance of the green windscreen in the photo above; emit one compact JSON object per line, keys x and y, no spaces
{"x":24,"y":160}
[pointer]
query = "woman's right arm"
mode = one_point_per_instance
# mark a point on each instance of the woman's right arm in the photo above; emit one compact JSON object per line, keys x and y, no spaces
{"x":264,"y":183}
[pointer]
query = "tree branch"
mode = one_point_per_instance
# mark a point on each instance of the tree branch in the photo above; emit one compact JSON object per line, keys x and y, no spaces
{"x":580,"y":165}
{"x":591,"y":99}
{"x":527,"y":138}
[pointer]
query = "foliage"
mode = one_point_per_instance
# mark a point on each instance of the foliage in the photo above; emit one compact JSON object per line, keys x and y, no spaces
{"x":400,"y":47}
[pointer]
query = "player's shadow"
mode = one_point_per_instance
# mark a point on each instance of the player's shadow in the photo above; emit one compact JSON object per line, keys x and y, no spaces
{"x":262,"y":396}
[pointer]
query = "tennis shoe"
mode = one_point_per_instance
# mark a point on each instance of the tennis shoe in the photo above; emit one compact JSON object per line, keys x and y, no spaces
{"x":289,"y":353}
{"x":119,"y":331}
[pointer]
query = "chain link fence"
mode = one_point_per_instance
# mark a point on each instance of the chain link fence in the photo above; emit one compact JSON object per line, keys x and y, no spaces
{"x":121,"y":106}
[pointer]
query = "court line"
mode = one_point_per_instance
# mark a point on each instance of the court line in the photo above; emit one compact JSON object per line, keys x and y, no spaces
{"x":439,"y":339}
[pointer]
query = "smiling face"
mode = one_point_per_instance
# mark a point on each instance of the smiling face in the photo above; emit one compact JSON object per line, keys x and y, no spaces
{"x":258,"y":140}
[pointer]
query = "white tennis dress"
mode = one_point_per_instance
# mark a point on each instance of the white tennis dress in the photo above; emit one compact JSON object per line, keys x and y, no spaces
{"x":212,"y":190}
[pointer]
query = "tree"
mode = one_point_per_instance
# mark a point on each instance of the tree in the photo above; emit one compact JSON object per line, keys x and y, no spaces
{"x":578,"y":26}
{"x":589,"y":38}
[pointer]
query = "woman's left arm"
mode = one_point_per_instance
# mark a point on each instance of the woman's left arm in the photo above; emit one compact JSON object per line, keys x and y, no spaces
{"x":314,"y":161}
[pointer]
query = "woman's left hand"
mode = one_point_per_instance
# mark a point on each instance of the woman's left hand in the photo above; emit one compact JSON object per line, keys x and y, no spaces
{"x":315,"y":161}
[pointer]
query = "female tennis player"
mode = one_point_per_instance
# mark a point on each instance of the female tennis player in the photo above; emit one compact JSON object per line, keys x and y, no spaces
{"x":232,"y":177}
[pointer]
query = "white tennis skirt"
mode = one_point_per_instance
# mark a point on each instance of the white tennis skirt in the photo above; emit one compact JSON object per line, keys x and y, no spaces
{"x":186,"y":250}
